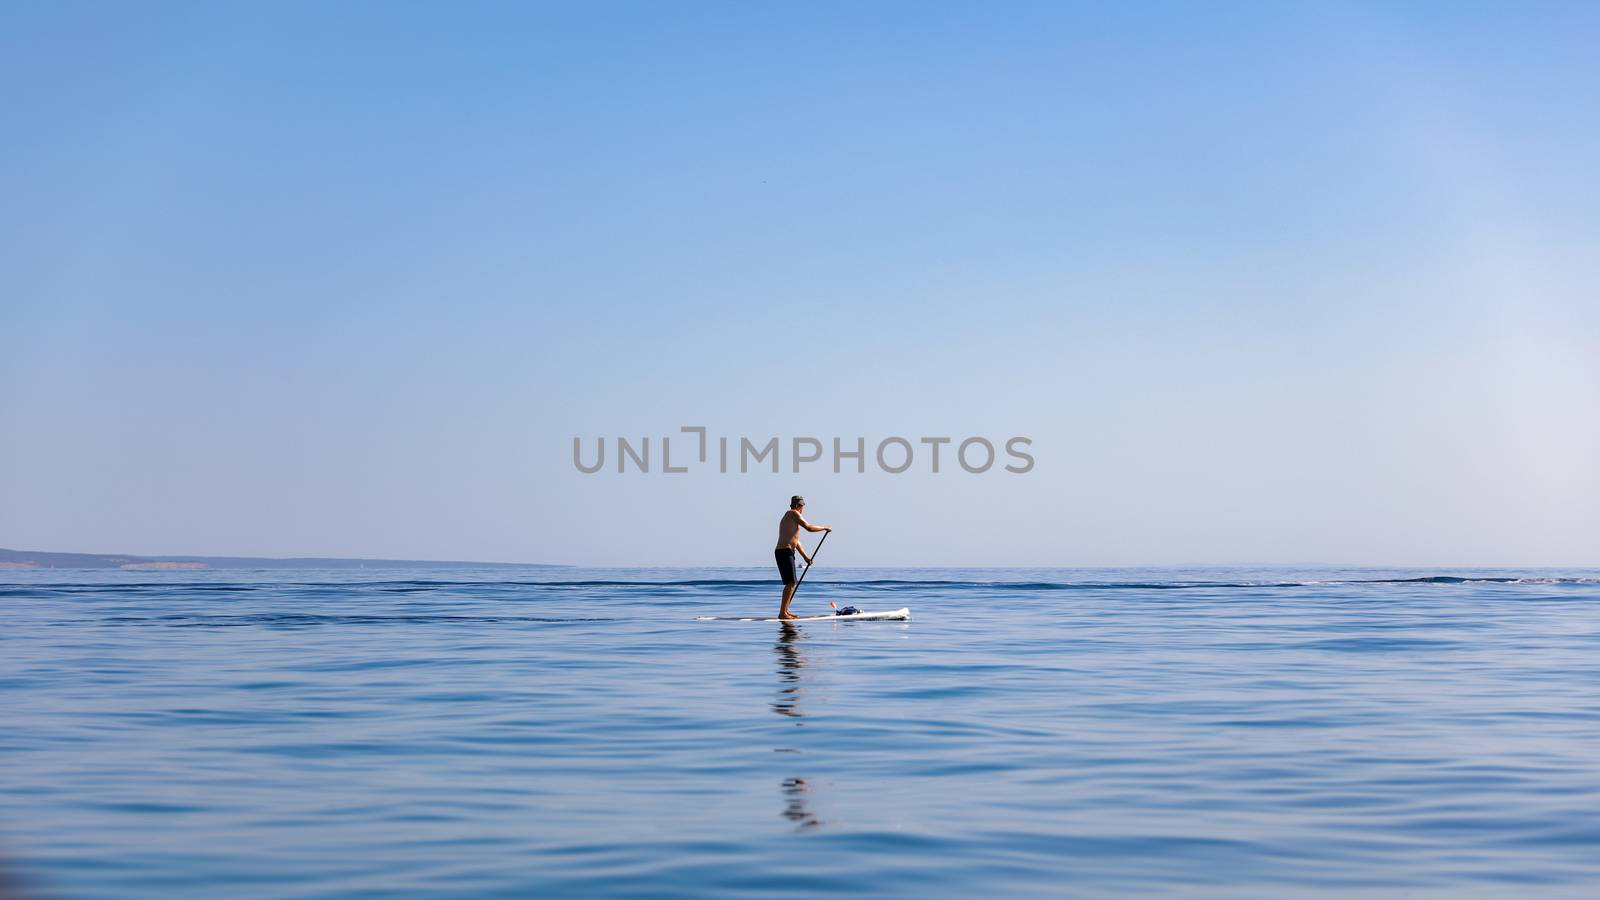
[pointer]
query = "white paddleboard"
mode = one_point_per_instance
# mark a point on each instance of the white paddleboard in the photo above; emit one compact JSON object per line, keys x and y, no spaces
{"x":894,"y":615}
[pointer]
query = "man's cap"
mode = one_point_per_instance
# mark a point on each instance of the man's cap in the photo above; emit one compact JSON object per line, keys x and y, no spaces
{"x":796,"y":500}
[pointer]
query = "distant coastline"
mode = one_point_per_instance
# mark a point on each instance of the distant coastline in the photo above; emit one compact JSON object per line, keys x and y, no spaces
{"x":40,"y":559}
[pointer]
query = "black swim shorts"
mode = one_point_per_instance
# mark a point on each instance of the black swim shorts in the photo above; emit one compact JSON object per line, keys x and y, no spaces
{"x":785,"y":558}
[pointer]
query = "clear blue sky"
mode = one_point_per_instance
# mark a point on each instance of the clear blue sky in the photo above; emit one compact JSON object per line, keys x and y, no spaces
{"x":1275,"y":282}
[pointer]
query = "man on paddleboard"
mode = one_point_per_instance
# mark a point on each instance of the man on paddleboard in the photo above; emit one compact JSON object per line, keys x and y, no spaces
{"x":789,"y":544}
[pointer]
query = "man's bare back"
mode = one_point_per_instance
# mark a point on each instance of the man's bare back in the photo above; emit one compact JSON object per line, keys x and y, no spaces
{"x":789,"y":530}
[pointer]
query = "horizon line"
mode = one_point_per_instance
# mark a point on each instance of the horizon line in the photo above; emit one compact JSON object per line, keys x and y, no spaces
{"x":109,"y":559}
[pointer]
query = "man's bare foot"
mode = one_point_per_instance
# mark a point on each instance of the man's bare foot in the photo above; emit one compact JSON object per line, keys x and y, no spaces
{"x":787,"y":615}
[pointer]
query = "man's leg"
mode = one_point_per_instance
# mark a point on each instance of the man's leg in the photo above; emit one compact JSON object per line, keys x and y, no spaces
{"x":788,"y":594}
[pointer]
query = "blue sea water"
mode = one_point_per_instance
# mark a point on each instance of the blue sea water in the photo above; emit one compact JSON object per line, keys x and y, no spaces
{"x":577,"y":733}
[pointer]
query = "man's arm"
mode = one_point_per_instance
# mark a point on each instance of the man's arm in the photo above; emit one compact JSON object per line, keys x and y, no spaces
{"x":810,"y":527}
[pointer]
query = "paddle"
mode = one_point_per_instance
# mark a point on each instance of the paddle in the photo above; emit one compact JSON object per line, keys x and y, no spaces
{"x":809,"y":564}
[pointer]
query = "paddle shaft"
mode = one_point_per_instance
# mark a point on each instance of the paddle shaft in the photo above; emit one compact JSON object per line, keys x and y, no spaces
{"x":809,"y":564}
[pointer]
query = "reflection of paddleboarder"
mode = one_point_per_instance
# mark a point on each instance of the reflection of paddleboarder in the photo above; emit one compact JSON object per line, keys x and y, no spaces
{"x":789,"y":544}
{"x":796,"y":809}
{"x":790,"y":664}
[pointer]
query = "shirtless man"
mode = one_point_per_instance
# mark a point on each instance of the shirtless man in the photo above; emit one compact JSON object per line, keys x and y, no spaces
{"x":788,"y":544}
